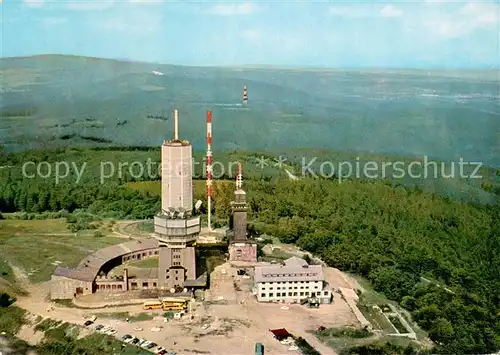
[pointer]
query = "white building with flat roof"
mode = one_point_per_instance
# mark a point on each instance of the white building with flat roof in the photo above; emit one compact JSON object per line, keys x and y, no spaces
{"x":293,"y":281}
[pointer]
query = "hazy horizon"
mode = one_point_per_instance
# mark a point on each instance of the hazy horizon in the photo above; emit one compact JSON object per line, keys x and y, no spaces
{"x":254,"y":65}
{"x":339,"y":34}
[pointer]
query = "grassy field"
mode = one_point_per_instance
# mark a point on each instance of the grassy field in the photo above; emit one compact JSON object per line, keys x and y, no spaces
{"x":145,"y":263}
{"x":141,"y":228}
{"x":336,"y":340}
{"x":377,"y":319}
{"x":39,"y":246}
{"x":16,"y":227}
{"x":371,"y":297}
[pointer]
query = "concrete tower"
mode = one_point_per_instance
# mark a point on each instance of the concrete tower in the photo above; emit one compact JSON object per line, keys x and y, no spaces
{"x":175,"y":226}
{"x":240,"y":248}
{"x":176,"y":173}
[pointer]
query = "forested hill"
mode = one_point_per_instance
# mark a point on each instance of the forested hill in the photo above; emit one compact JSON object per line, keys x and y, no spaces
{"x":390,"y":234}
{"x":394,"y":237}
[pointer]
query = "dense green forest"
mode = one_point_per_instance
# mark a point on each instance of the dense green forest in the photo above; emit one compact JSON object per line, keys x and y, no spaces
{"x":393,"y":235}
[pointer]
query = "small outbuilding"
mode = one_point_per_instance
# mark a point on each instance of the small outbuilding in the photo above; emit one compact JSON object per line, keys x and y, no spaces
{"x":280,"y":334}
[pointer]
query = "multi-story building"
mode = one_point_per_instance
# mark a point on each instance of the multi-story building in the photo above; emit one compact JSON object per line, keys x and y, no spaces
{"x":293,"y":281}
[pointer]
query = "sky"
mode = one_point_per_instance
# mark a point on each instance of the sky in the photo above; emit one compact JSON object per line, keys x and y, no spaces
{"x":333,"y":34}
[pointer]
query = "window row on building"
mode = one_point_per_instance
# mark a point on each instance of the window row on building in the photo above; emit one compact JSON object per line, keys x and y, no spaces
{"x":302,"y":274}
{"x":307,"y":287}
{"x":119,"y":286}
{"x":140,"y":255}
{"x":289,"y":282}
{"x":296,"y":294}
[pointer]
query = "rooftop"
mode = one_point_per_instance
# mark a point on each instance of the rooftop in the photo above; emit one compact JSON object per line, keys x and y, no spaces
{"x":280,"y":333}
{"x":89,"y":267}
{"x":176,"y":142}
{"x":143,"y":273}
{"x":199,"y":282}
{"x":293,"y":270}
{"x":73,"y":274}
{"x":295,"y":261}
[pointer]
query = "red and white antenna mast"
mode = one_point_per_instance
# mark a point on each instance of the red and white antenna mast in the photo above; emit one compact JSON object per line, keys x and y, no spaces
{"x":239,"y":178}
{"x":245,"y":96}
{"x":209,"y":168}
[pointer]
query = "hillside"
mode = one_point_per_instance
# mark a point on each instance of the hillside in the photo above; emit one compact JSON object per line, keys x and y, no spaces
{"x":57,"y":101}
{"x":394,"y":236}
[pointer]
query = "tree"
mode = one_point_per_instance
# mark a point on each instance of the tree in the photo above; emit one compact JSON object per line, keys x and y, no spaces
{"x":6,"y":300}
{"x":307,"y":259}
{"x":441,"y":330}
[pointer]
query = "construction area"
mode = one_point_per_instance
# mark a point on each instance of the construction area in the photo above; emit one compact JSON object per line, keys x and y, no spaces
{"x":225,"y":319}
{"x":231,"y":319}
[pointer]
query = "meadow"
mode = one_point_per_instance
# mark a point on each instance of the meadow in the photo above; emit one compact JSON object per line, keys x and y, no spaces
{"x":39,"y":246}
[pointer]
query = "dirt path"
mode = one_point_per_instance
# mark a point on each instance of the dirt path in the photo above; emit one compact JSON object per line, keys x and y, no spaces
{"x":119,"y":229}
{"x":21,"y":277}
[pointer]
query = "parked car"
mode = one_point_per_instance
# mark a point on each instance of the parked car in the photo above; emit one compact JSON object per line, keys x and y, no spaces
{"x":151,"y":346}
{"x":141,"y":341}
{"x":146,"y":343}
{"x":111,"y":332}
{"x":126,"y":336}
{"x":162,"y":352}
{"x":159,"y":349}
{"x":134,"y":341}
{"x":87,"y":323}
{"x":99,"y":327}
{"x":129,"y":340}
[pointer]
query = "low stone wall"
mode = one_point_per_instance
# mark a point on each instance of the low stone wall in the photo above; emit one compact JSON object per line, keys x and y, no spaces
{"x":104,"y":304}
{"x":410,"y":332}
{"x":404,"y":335}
